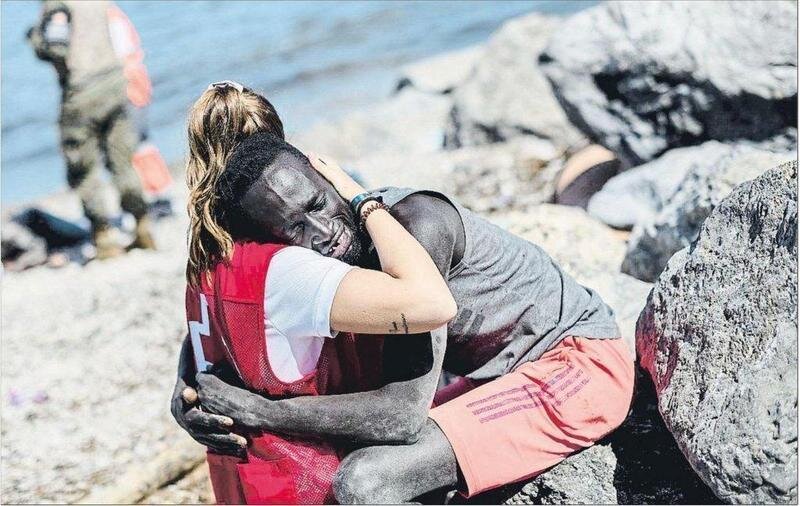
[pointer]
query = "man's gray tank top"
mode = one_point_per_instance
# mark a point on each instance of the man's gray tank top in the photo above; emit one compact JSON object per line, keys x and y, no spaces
{"x":514,"y":301}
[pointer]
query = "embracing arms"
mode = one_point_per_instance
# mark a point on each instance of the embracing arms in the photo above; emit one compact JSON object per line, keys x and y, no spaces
{"x":394,"y":413}
{"x":211,"y":430}
{"x":407,"y":296}
{"x":412,"y":364}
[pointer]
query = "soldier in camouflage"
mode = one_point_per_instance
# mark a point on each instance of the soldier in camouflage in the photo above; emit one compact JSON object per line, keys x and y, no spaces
{"x":74,"y":36}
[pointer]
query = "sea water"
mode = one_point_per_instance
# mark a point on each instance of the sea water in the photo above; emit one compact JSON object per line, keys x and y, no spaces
{"x":314,"y":61}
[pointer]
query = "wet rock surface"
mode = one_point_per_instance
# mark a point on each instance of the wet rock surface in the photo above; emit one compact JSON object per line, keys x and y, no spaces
{"x":640,"y":86}
{"x":719,"y":338}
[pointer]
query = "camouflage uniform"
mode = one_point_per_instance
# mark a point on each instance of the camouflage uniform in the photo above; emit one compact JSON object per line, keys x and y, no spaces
{"x":94,"y":115}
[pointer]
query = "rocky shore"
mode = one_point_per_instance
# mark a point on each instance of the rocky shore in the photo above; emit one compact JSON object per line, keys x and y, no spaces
{"x":693,"y":243}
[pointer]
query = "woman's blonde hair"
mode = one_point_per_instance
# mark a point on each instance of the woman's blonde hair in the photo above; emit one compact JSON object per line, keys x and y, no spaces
{"x":223,"y":116}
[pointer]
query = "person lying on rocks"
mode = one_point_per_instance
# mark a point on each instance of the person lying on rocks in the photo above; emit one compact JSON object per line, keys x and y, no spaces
{"x":544,"y":372}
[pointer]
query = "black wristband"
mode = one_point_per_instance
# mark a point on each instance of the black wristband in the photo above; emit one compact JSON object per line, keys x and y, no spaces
{"x":356,"y":201}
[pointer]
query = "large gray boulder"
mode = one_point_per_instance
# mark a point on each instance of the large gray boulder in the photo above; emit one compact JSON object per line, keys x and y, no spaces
{"x":719,"y":339}
{"x":677,"y":224}
{"x":506,"y":94}
{"x":644,"y":77}
{"x":508,"y":175}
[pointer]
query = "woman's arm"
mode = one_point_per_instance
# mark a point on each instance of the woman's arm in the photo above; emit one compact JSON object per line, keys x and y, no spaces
{"x":392,"y":414}
{"x":409,"y":296}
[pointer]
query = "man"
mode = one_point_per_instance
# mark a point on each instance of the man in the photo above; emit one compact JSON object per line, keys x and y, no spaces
{"x":544,"y":371}
{"x":74,"y":36}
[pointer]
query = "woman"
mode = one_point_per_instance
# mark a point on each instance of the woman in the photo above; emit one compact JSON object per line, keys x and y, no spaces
{"x":272,"y":312}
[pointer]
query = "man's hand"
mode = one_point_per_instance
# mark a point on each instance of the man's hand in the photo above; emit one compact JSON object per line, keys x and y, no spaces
{"x":229,"y":402}
{"x":211,"y":430}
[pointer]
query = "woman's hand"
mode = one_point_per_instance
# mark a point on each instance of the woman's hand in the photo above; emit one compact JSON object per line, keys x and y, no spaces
{"x":341,"y":180}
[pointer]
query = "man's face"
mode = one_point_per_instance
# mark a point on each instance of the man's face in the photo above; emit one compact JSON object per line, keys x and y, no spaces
{"x":293,"y":204}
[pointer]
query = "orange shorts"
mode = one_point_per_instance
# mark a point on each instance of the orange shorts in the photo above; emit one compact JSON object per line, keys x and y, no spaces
{"x":525,"y":422}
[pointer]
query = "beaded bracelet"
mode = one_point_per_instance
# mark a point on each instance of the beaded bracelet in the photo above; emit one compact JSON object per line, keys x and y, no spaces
{"x":372,"y":207}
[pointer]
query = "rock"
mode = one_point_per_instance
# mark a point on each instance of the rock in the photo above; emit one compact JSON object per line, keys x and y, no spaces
{"x":585,"y":478}
{"x":641,"y":86}
{"x":441,"y":73}
{"x":677,"y":224}
{"x":408,"y":122}
{"x":506,"y":94}
{"x":510,"y":175}
{"x":637,"y":195}
{"x":503,"y":176}
{"x":719,"y":338}
{"x":571,"y":237}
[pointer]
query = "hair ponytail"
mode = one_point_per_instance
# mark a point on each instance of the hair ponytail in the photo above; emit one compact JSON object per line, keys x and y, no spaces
{"x":219,"y":120}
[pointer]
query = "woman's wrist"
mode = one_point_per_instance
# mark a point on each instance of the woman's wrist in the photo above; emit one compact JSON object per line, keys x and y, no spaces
{"x":368,"y":208}
{"x":352,"y":191}
{"x":360,"y":201}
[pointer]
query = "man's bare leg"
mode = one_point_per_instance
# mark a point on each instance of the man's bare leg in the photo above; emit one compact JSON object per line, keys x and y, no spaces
{"x":396,"y":474}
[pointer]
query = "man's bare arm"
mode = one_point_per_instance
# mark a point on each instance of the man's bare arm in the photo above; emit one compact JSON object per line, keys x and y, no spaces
{"x":394,"y":413}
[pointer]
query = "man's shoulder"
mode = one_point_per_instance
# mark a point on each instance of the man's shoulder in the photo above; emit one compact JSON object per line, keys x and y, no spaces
{"x":425,"y":210}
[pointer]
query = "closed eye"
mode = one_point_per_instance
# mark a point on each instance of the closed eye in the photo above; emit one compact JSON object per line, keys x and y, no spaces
{"x":319,"y":204}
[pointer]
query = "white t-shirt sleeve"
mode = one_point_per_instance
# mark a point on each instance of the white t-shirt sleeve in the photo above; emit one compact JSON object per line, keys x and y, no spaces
{"x":301,"y":285}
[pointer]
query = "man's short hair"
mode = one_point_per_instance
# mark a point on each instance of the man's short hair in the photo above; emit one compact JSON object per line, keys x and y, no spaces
{"x":245,"y":166}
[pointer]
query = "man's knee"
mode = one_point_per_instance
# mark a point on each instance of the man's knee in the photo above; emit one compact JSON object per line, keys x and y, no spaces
{"x":355,"y":482}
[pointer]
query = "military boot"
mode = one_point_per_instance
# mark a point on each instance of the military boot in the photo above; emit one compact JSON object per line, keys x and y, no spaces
{"x":144,"y":238}
{"x":106,"y":244}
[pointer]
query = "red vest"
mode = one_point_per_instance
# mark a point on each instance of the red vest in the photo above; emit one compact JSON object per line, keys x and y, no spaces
{"x":226,"y":325}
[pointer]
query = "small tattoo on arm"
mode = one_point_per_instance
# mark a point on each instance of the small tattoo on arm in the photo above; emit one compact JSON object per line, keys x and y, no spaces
{"x":395,"y":329}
